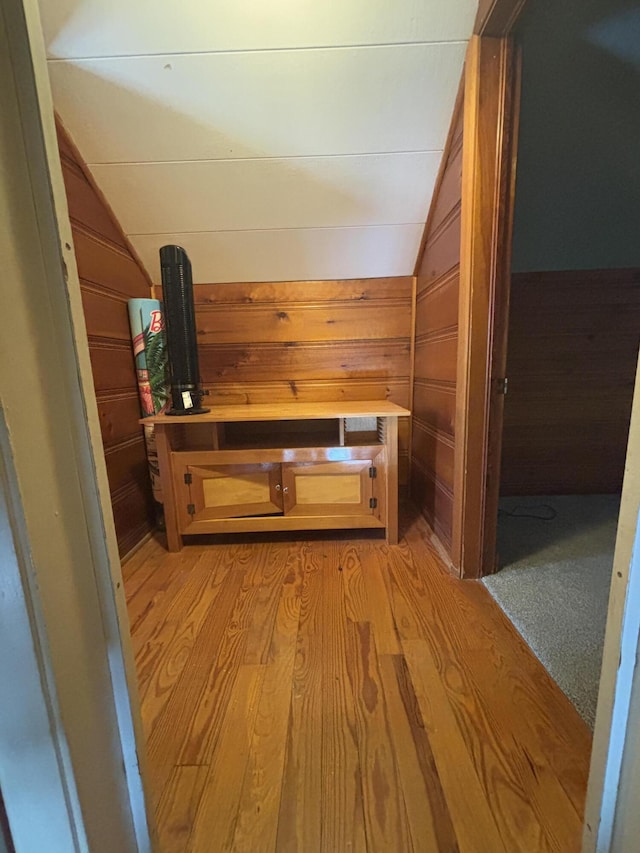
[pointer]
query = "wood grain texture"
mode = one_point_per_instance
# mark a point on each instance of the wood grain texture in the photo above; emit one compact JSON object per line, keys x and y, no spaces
{"x":573,"y":347}
{"x":162,"y":658}
{"x":126,"y":462}
{"x":279,"y":411}
{"x":306,"y":341}
{"x":362,"y":290}
{"x":213,"y":829}
{"x":312,"y":321}
{"x":113,"y":367}
{"x":435,"y":449}
{"x":435,"y":499}
{"x":437,"y":305}
{"x":272,"y":475}
{"x":105,"y":313}
{"x":109,"y":275}
{"x":440,"y":352}
{"x":178,"y":807}
{"x":295,"y":360}
{"x":385,"y":818}
{"x":435,"y":404}
{"x":132,"y":510}
{"x":343,"y":694}
{"x":438,"y":209}
{"x":492,"y":74}
{"x":429,"y":820}
{"x":260,"y":795}
{"x":442,"y":251}
{"x":341,"y":794}
{"x":104,"y":264}
{"x":396,"y":390}
{"x":447,"y":201}
{"x":300,"y":815}
{"x":436,"y":340}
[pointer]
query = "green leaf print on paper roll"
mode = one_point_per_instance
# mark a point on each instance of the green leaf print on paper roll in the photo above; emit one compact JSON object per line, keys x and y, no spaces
{"x":150,"y":352}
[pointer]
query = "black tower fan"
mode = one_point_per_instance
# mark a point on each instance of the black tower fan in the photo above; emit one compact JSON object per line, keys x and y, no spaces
{"x":177,"y":288}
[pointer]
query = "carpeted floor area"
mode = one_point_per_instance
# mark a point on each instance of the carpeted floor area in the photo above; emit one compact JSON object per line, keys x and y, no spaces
{"x":554,"y":584}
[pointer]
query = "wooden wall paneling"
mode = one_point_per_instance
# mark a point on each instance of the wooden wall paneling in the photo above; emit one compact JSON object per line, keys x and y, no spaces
{"x":308,"y":391}
{"x":132,"y":510}
{"x":437,"y":306}
{"x":442,"y":251}
{"x":452,"y":145}
{"x":356,"y":289}
{"x":436,"y":341}
{"x":126,"y":461}
{"x":488,"y":184}
{"x":435,"y":403}
{"x":440,"y":352}
{"x":113,"y":366}
{"x":593,"y":466}
{"x":118,"y":413}
{"x":435,"y":449}
{"x":109,"y":266}
{"x":435,"y":501}
{"x":71,"y":157}
{"x":571,"y":366}
{"x":448,"y":198}
{"x":576,"y":302}
{"x":85,"y":208}
{"x":294,"y":360}
{"x":312,"y":321}
{"x":110,"y":274}
{"x":406,"y":452}
{"x":315,"y":341}
{"x":105,"y":313}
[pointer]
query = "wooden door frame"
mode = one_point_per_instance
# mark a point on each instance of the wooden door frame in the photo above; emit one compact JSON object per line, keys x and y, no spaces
{"x":488,"y":183}
{"x":491,"y":112}
{"x":74,"y":757}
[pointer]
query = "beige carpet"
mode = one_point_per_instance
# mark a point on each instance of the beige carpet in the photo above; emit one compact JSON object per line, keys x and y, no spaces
{"x":554,"y":584}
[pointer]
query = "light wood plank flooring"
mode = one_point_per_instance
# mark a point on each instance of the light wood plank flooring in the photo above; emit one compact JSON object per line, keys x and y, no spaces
{"x":337,"y":694}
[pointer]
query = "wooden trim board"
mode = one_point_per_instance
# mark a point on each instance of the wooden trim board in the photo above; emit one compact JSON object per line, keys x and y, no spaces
{"x":491,"y":76}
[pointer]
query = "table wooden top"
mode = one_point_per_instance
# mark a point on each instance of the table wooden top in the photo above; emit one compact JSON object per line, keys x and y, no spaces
{"x":287,"y":411}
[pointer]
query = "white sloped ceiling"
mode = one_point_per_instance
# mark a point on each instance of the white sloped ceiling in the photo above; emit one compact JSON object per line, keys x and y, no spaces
{"x":273,"y":139}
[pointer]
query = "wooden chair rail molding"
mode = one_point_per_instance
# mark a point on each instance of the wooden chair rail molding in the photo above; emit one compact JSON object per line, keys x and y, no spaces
{"x":284,"y":466}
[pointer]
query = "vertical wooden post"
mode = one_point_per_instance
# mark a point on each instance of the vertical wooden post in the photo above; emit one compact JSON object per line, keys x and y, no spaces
{"x":491,"y":81}
{"x":174,"y":539}
{"x":391,"y":444}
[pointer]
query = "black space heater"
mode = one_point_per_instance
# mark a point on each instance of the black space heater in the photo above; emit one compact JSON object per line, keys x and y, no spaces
{"x":179,"y":313}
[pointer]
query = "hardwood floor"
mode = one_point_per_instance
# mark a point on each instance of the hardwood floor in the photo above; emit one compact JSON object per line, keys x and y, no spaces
{"x":337,"y":694}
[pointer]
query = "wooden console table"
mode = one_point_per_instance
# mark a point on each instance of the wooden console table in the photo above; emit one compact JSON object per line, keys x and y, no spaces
{"x":286,"y":466}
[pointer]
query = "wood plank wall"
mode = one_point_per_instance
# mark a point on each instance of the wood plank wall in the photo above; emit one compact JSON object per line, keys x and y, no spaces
{"x":109,"y":275}
{"x":573,"y":347}
{"x":436,"y":342}
{"x":307,"y":340}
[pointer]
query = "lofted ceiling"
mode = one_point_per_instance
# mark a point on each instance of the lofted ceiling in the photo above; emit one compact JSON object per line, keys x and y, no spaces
{"x":273,"y":139}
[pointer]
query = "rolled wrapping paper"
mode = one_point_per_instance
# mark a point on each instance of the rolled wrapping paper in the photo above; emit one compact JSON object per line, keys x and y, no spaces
{"x":150,"y":352}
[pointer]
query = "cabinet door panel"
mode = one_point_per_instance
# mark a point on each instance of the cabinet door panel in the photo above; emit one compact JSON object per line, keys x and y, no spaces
{"x":233,"y":491}
{"x":340,"y":487}
{"x":328,"y":488}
